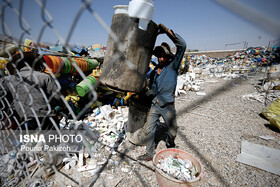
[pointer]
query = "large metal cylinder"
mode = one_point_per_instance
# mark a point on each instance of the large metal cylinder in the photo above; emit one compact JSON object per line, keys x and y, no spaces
{"x":136,"y":124}
{"x":125,"y":68}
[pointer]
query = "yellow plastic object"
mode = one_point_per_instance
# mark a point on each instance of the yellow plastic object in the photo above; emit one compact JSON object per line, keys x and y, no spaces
{"x":272,"y":112}
{"x":27,"y":42}
{"x":96,"y":72}
{"x":73,"y":98}
{"x":127,"y":96}
{"x":3,"y":63}
{"x":96,"y":104}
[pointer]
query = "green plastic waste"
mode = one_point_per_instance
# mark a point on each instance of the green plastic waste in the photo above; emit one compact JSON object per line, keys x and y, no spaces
{"x":83,"y":87}
{"x":92,"y":63}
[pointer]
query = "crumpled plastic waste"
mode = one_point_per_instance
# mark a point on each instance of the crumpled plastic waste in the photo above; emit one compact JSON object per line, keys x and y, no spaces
{"x":187,"y":82}
{"x":109,"y":122}
{"x":70,"y":162}
{"x":106,"y":122}
{"x":180,"y":169}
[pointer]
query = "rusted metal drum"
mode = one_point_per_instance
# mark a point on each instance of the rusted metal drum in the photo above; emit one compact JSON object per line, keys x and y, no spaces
{"x":126,"y":61}
{"x":136,"y":124}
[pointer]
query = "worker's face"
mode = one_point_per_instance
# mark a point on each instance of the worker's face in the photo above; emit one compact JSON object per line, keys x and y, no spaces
{"x":162,"y":59}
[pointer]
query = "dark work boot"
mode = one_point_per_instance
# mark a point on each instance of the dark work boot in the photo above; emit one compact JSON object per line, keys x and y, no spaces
{"x":170,"y":142}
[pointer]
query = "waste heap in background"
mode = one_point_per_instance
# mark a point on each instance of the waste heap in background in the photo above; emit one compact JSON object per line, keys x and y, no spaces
{"x":241,"y":64}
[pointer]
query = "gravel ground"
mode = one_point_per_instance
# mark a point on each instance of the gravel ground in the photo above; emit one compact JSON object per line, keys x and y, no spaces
{"x":214,"y":134}
{"x":211,"y":128}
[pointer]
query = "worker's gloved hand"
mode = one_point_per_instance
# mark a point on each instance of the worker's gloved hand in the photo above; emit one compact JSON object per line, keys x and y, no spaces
{"x":150,"y":95}
{"x":167,"y":31}
{"x":162,"y":29}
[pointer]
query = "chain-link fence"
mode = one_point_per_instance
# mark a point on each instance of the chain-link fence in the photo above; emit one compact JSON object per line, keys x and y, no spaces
{"x":51,"y":98}
{"x":49,"y":106}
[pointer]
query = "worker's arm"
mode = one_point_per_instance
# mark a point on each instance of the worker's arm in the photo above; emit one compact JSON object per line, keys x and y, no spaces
{"x":178,"y":41}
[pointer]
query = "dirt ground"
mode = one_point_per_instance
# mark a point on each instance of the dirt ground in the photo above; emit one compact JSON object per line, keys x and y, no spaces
{"x":212,"y":129}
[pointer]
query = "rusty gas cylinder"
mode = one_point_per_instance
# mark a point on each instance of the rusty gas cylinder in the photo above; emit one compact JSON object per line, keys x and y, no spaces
{"x":128,"y":53}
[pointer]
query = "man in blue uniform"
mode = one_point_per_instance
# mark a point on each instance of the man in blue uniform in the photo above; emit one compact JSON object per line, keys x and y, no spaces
{"x":162,"y":88}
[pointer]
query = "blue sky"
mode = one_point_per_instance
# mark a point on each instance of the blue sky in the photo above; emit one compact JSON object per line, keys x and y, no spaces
{"x":204,"y":24}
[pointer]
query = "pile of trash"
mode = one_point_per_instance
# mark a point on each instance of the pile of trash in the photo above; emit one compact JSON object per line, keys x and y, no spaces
{"x":107,"y":126}
{"x":250,"y":58}
{"x":188,"y":82}
{"x":106,"y":123}
{"x":180,"y":169}
{"x":109,"y":123}
{"x":93,"y":51}
{"x":202,"y":67}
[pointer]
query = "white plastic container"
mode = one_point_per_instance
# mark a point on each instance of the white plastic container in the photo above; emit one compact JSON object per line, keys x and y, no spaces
{"x":121,"y":9}
{"x":142,"y":9}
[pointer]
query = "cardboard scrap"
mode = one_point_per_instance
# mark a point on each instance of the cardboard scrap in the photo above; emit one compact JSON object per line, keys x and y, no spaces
{"x":259,"y":156}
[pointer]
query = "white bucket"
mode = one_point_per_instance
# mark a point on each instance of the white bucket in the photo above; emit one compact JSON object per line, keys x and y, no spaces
{"x":143,"y":24}
{"x":121,"y":9}
{"x":142,"y":9}
{"x":165,"y":180}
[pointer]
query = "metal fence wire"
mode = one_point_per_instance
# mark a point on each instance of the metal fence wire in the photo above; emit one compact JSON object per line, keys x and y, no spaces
{"x":49,"y":103}
{"x":46,"y":98}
